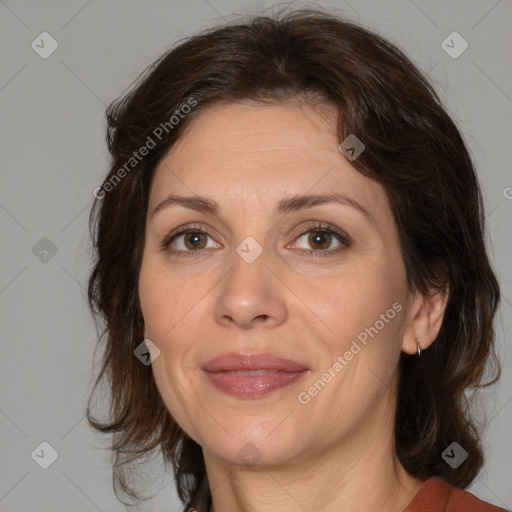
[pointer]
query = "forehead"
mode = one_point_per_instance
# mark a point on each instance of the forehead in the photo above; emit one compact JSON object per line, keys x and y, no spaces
{"x":237,"y":152}
{"x":248,"y":130}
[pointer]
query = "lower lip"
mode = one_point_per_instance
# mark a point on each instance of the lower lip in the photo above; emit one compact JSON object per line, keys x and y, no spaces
{"x":251,"y":386}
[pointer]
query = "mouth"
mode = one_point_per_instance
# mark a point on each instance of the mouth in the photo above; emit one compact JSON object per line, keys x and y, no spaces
{"x":252,"y":375}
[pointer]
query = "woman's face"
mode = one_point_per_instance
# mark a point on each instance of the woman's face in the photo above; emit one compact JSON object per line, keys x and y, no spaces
{"x":268,"y":269}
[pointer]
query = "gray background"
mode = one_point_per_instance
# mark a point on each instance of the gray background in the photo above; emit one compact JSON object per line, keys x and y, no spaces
{"x":53,"y":155}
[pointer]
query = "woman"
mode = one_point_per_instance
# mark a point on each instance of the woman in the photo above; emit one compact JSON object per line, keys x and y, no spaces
{"x":294,"y":227}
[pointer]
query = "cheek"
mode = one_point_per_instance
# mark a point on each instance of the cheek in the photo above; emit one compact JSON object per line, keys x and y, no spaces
{"x":367,"y":308}
{"x":172,"y":307}
{"x":160,"y":292}
{"x":159,"y":301}
{"x":170,"y":319}
{"x":153,"y":297}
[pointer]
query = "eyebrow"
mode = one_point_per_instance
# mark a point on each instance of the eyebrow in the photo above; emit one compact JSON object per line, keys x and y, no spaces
{"x":286,"y":205}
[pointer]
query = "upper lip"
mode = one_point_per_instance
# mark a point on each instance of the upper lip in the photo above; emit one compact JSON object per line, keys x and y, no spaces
{"x":247,"y":362}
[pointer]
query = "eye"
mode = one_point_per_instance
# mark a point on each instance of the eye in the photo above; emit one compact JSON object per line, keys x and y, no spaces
{"x":187,"y":240}
{"x":321,"y":238}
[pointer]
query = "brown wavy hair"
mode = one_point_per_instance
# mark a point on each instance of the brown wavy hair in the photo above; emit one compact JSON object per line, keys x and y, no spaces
{"x":413,"y":149}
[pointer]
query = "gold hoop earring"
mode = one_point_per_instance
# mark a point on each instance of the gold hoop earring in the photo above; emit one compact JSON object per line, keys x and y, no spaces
{"x":418,"y":345}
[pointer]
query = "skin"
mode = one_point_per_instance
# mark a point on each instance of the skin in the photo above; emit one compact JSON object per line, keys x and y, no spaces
{"x":337,"y":451}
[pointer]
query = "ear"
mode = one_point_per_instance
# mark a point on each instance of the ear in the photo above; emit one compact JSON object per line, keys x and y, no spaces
{"x":424,"y":319}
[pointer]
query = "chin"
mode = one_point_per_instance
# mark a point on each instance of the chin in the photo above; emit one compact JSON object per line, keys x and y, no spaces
{"x":253,"y":444}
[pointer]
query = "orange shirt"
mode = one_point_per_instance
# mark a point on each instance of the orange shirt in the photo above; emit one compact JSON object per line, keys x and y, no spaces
{"x":436,"y":495}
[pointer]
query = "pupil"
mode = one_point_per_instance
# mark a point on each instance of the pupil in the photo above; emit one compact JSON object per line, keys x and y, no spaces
{"x":194,"y":239}
{"x":319,"y":239}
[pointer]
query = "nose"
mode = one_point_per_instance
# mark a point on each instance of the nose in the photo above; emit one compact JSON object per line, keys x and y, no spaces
{"x":251,"y":296}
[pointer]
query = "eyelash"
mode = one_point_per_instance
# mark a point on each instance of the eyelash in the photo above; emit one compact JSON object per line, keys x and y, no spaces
{"x":320,"y":227}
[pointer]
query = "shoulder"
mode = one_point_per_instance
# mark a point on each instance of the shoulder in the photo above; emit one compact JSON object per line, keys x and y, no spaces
{"x":461,"y":500}
{"x":436,"y":495}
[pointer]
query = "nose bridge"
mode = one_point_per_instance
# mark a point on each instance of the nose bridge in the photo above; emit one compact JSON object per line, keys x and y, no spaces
{"x":249,"y":292}
{"x":249,"y":275}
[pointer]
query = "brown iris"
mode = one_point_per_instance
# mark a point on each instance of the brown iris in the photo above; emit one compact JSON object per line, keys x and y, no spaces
{"x":320,"y":238}
{"x":195,"y":240}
